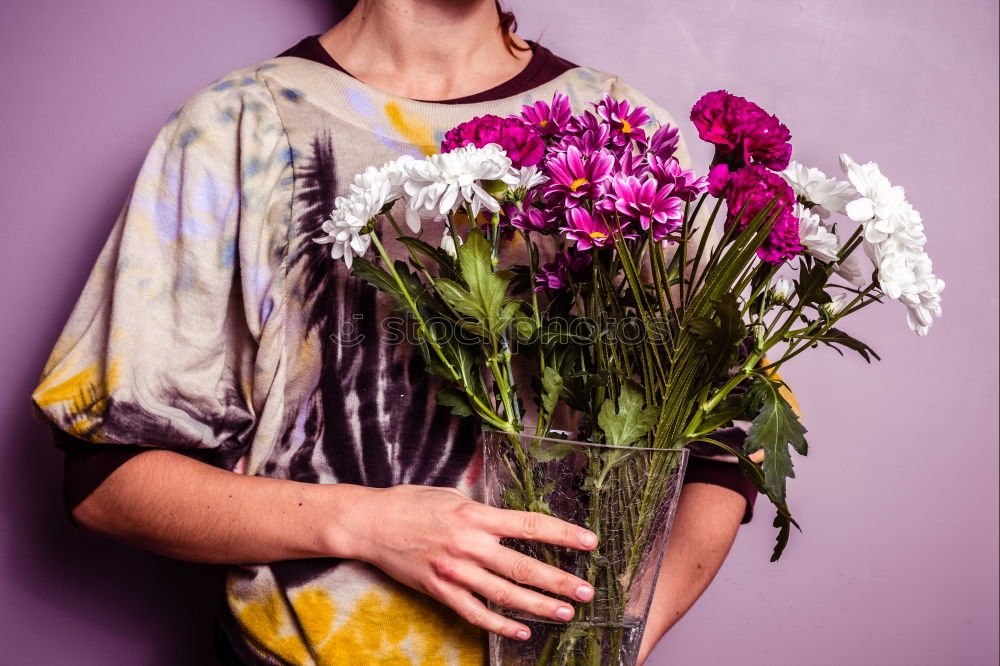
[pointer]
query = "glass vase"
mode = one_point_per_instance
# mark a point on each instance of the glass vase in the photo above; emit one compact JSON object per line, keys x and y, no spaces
{"x":625,"y":495}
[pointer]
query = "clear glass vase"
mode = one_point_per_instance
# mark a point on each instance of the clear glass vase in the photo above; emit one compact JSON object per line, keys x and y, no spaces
{"x":625,"y":495}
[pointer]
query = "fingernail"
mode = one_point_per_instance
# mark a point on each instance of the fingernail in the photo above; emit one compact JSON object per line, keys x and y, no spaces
{"x":522,"y":635}
{"x":584,"y":592}
{"x":588,"y":539}
{"x":564,"y":613}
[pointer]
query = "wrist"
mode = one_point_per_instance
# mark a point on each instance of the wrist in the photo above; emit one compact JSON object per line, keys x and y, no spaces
{"x":346,"y":523}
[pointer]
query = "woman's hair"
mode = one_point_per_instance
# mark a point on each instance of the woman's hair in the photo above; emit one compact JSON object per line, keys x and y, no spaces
{"x":508,"y":24}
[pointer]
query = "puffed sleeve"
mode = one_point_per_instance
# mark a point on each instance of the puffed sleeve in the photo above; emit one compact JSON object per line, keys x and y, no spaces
{"x":163,"y":347}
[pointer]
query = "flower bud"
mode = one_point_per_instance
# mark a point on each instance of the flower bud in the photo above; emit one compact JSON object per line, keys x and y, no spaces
{"x":448,"y":244}
{"x":835,"y":306}
{"x":781,"y":291}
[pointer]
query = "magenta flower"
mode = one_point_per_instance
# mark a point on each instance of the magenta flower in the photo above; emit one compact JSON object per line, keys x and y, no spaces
{"x":565,"y":268}
{"x":542,"y":220}
{"x":626,"y":123}
{"x":653,"y":206}
{"x":718,"y":180}
{"x":663,"y":143}
{"x":743,"y":133}
{"x":687,"y":185}
{"x":574,"y":175}
{"x":522,"y":145}
{"x":629,"y":164}
{"x":548,"y":120}
{"x":587,"y":133}
{"x":585,"y":229}
{"x":751,"y":190}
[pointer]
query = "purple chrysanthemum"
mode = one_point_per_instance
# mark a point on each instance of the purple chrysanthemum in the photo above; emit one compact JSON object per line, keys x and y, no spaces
{"x":687,"y":185}
{"x":585,"y":229}
{"x":523,"y":146}
{"x":742,"y":132}
{"x":663,"y":143}
{"x":542,"y":220}
{"x":574,"y":175}
{"x":751,"y":190}
{"x":545,"y":119}
{"x":653,"y":206}
{"x":586,"y":132}
{"x":626,"y":123}
{"x":565,"y":267}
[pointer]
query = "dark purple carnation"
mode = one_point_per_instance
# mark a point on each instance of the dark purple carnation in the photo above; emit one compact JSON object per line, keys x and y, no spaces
{"x":522,"y":144}
{"x":751,"y":190}
{"x":742,"y":132}
{"x":718,"y":180}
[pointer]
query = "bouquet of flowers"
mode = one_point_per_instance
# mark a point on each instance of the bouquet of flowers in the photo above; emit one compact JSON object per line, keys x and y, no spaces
{"x":654,"y":304}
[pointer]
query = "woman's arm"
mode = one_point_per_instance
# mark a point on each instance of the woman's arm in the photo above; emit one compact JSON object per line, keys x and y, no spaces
{"x":435,"y":540}
{"x":708,"y":517}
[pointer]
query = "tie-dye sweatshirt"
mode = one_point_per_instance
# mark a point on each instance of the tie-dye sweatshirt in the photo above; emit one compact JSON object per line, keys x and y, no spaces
{"x":212,"y":324}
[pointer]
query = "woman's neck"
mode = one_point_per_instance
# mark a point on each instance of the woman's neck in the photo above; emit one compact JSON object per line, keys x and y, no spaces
{"x":425,"y":49}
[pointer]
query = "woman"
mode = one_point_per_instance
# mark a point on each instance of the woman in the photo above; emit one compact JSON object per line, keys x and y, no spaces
{"x":224,"y":391}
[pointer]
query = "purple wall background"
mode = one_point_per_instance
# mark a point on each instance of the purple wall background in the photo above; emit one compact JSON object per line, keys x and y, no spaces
{"x":898,"y":497}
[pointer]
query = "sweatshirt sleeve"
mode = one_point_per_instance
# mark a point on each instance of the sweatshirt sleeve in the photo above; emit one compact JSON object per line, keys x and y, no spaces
{"x":163,"y":347}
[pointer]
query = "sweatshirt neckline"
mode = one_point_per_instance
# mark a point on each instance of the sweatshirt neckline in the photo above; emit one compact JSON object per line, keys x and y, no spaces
{"x":543,"y":67}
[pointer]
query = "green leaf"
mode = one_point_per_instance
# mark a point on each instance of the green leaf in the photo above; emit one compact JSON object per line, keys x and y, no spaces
{"x":552,"y":384}
{"x":456,"y":400}
{"x":441,"y":258}
{"x":486,"y":288}
{"x":834,"y":337}
{"x":524,"y":328}
{"x":550,"y":451}
{"x":631,"y":421}
{"x":376,"y":276}
{"x":731,"y":407}
{"x":511,"y":308}
{"x":783,"y":520}
{"x":812,"y":280}
{"x":774,"y":428}
{"x":459,"y":299}
{"x":514,"y":498}
{"x":724,"y":332}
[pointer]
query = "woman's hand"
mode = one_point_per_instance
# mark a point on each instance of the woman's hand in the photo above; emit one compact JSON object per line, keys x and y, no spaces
{"x":446,"y":545}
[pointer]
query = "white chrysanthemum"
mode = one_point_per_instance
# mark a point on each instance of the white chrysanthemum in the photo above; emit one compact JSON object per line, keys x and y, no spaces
{"x":391,"y":175}
{"x":894,"y":240}
{"x":880,"y":206}
{"x":819,"y":241}
{"x":909,"y":277}
{"x":828,"y":195}
{"x":850,"y":269}
{"x":524,"y":179}
{"x":349,"y":217}
{"x":441,"y":183}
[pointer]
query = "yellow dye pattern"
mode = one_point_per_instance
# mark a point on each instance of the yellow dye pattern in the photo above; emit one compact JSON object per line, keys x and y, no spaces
{"x":418,"y":134}
{"x":395,"y":627}
{"x":57,"y":389}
